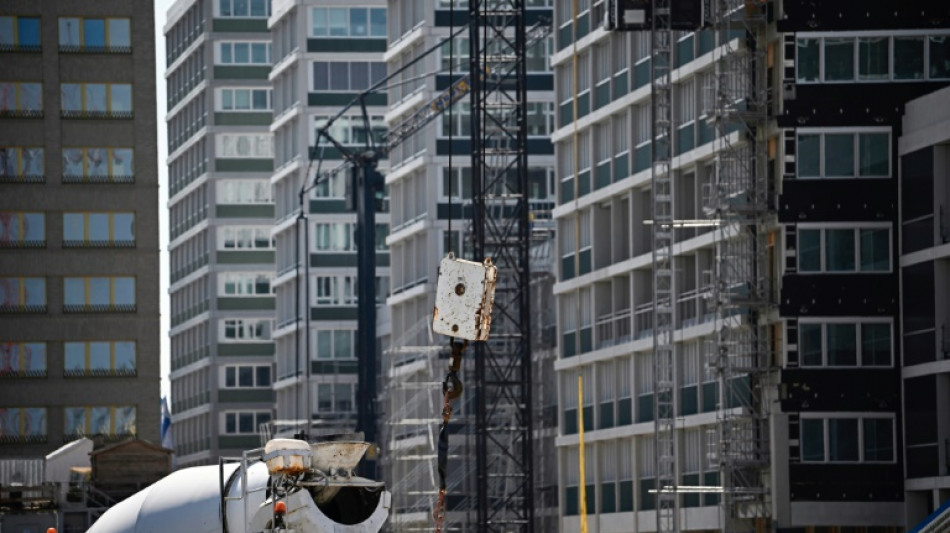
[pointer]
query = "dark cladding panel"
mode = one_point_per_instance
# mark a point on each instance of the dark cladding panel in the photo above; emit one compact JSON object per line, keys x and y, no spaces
{"x":855,"y":390}
{"x":834,"y":200}
{"x":860,"y":482}
{"x":637,"y":15}
{"x":839,"y":295}
{"x":825,"y":15}
{"x":851,"y":104}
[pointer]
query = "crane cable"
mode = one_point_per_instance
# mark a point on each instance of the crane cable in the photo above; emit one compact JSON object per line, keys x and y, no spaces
{"x":452,"y":386}
{"x":451,"y":391}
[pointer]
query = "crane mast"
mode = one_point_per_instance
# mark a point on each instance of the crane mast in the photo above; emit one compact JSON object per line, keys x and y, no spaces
{"x":503,"y":439}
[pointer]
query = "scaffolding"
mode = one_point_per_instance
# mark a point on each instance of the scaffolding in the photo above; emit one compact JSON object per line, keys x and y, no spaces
{"x":663,"y":326}
{"x":740,"y":198}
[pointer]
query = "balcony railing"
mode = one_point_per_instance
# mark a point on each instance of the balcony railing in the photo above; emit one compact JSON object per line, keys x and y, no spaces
{"x":613,"y":329}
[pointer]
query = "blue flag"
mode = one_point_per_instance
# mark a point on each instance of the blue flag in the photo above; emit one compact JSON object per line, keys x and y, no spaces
{"x":167,"y":440}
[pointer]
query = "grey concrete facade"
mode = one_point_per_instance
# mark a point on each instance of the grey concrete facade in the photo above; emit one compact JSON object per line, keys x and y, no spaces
{"x":75,"y":298}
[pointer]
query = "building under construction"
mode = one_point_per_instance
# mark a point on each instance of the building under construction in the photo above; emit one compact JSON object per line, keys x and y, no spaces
{"x":727,"y":283}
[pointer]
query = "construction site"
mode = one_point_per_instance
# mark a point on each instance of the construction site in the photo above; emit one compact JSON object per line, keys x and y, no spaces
{"x":712,"y":236}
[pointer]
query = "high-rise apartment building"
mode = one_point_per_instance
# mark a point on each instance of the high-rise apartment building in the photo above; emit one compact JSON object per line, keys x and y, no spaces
{"x":220,"y":159}
{"x":797,"y":152}
{"x":923,"y":148}
{"x":430,"y":192}
{"x":79,"y":335}
{"x":325,"y":54}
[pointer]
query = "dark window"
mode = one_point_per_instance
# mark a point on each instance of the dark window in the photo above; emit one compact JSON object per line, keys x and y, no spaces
{"x":909,"y":58}
{"x":809,"y":250}
{"x":843,"y":439}
{"x":813,"y":439}
{"x":230,"y":379}
{"x":246,"y":376}
{"x":842,"y":347}
{"x":246,"y":422}
{"x":807,"y":61}
{"x":878,"y":439}
{"x":876,"y":344}
{"x":263,"y":376}
{"x":809,"y":344}
{"x":839,"y":59}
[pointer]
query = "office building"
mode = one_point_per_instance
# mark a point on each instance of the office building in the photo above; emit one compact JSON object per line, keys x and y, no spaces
{"x":221,"y":253}
{"x":79,"y":335}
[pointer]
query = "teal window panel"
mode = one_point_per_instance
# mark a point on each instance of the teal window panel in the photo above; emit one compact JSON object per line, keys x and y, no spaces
{"x":565,"y":36}
{"x":229,"y":72}
{"x":685,"y":138}
{"x":590,"y":491}
{"x":237,"y":25}
{"x":246,"y":304}
{"x":243,"y":119}
{"x":711,"y":479}
{"x":588,"y":418}
{"x":583,"y":105}
{"x":246,"y":395}
{"x":601,"y":95}
{"x":642,"y":157}
{"x":647,"y":499}
{"x":641,"y":74}
{"x":246,"y":349}
{"x":602,"y":175}
{"x":689,"y":400}
{"x":346,"y":45}
{"x":583,"y":25}
{"x":621,"y":167}
{"x":567,"y":190}
{"x":645,"y":408}
{"x":707,"y":41}
{"x":583,"y":183}
{"x":567,"y":267}
{"x":570,"y":421}
{"x":239,"y":442}
{"x":244,"y":165}
{"x":691,"y":500}
{"x":608,"y":497}
{"x":244,"y":211}
{"x":626,"y":496}
{"x":584,"y":262}
{"x":606,"y":419}
{"x":684,"y":51}
{"x":572,"y":503}
{"x":621,"y":84}
{"x":587,"y":340}
{"x":566,"y":113}
{"x":250,"y":257}
{"x":569,"y":344}
{"x":624,"y":412}
{"x":710,"y":396}
{"x":707,"y":132}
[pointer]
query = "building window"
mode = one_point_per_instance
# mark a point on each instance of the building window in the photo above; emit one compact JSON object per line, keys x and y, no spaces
{"x":335,"y":398}
{"x":26,"y":359}
{"x":96,"y":100}
{"x":836,"y":154}
{"x":245,"y":238}
{"x":335,"y":290}
{"x":335,"y":237}
{"x":243,"y":53}
{"x":111,"y":421}
{"x":22,"y":230}
{"x":869,"y":57}
{"x":23,"y":295}
{"x":457,"y":121}
{"x":245,"y":422}
{"x":233,"y":99}
{"x":239,"y":192}
{"x":834,"y":250}
{"x":243,"y":8}
{"x":21,"y":99}
{"x":353,"y":22}
{"x":456,"y":183}
{"x":99,"y":294}
{"x":332,"y":186}
{"x":95,"y":35}
{"x":22,"y":424}
{"x":21,"y":164}
{"x":99,"y":229}
{"x":245,"y":330}
{"x":351,"y":130}
{"x":99,"y":358}
{"x":335,"y":344}
{"x":247,"y":376}
{"x":244,"y":284}
{"x":21,"y":34}
{"x":847,"y":439}
{"x":540,"y":118}
{"x":98,"y":165}
{"x":845,"y":344}
{"x":244,"y":145}
{"x":346,"y":76}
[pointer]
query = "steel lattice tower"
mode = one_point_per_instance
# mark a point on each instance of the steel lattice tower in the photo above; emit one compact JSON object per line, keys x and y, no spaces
{"x":500,"y":230}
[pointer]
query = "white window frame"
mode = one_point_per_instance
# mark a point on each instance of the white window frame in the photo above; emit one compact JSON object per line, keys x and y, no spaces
{"x":223,"y":418}
{"x":858,"y":322}
{"x":241,"y":278}
{"x":860,"y":417}
{"x":856,"y":227}
{"x":856,"y":133}
{"x":217,"y":10}
{"x":219,"y":99}
{"x":223,"y":377}
{"x":250,"y":42}
{"x":821,"y":36}
{"x":247,"y":325}
{"x":226,"y":233}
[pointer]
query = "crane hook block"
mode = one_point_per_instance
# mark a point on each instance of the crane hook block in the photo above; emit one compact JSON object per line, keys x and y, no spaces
{"x":464,"y":297}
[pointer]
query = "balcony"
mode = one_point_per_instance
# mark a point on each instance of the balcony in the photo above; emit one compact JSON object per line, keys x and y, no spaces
{"x":612,"y":329}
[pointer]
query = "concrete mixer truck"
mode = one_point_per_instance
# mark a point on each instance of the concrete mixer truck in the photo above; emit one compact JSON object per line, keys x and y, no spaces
{"x":289,"y":486}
